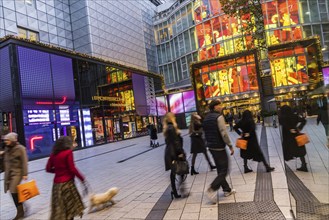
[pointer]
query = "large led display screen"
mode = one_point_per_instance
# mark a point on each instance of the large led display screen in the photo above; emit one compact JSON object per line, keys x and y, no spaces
{"x":176,"y":103}
{"x":325,"y":72}
{"x":46,"y":79}
{"x":189,"y":101}
{"x":140,"y":96}
{"x":162,"y":106}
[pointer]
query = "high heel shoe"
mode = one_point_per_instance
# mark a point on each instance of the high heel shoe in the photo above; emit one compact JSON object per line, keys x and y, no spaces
{"x":247,"y":170}
{"x":269,"y":169}
{"x":175,"y":195}
{"x":193,"y":171}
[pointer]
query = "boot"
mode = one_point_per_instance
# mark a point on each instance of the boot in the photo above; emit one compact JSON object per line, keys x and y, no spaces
{"x":245,"y":165}
{"x":173,"y":193}
{"x":268,"y":168}
{"x":246,"y":169}
{"x":193,"y":171}
{"x":303,"y":168}
{"x":19,"y":207}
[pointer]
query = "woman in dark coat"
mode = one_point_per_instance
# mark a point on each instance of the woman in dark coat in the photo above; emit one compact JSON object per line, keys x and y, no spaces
{"x":154,"y":137}
{"x":174,"y":148}
{"x":197,"y":143}
{"x":15,"y":163}
{"x":246,"y":128}
{"x":292,"y":124}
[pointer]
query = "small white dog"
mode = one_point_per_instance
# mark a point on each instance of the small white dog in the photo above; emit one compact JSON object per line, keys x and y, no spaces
{"x":102,"y":199}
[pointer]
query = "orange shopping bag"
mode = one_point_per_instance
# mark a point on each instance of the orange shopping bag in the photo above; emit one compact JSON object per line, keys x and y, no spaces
{"x":241,"y":143}
{"x":27,"y":190}
{"x":302,"y":139}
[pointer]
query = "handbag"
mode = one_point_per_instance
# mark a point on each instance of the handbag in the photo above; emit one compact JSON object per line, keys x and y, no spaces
{"x":180,"y":167}
{"x":241,"y":143}
{"x":27,"y":190}
{"x":302,"y":139}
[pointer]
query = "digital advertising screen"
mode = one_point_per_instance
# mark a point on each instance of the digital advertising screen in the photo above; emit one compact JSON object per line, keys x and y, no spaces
{"x":325,"y":72}
{"x":162,"y":106}
{"x":176,"y":103}
{"x":189,"y":101}
{"x":288,"y":68}
{"x":46,"y":79}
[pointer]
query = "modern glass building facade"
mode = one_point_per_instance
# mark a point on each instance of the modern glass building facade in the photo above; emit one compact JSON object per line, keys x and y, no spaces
{"x":118,"y":30}
{"x":190,"y":31}
{"x":46,"y":92}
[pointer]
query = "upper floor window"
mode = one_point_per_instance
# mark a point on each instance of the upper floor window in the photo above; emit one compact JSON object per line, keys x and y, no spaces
{"x":28,"y":2}
{"x":28,"y":34}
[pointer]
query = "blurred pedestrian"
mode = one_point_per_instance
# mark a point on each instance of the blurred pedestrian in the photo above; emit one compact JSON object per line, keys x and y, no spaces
{"x":15,"y":163}
{"x":217,"y":138}
{"x":66,"y":202}
{"x":154,"y":136}
{"x":246,"y":128}
{"x":323,"y":117}
{"x":229,"y":118}
{"x":292,"y":124}
{"x":174,"y":149}
{"x":197,"y":142}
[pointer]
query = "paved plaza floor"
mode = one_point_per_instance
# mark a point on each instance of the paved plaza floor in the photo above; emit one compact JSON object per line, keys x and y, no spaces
{"x":138,"y":171}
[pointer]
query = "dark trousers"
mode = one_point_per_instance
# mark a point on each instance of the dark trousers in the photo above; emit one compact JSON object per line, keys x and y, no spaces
{"x":221,"y":161}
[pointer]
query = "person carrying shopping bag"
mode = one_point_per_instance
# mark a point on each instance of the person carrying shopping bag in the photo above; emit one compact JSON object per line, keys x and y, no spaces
{"x":66,"y":201}
{"x":246,"y":128}
{"x":174,"y":150}
{"x":15,"y":163}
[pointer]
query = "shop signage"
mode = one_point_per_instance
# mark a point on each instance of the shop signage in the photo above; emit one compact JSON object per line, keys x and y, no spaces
{"x":106,"y":98}
{"x":117,"y":105}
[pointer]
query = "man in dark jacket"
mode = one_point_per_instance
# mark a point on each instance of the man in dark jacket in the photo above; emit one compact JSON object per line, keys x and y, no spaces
{"x":217,"y":138}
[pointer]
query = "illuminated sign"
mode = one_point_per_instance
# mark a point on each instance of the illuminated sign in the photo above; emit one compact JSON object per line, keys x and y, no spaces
{"x":106,"y":98}
{"x":38,"y":116}
{"x":118,"y":105}
{"x":64,"y":113}
{"x":34,"y":138}
{"x":49,"y":103}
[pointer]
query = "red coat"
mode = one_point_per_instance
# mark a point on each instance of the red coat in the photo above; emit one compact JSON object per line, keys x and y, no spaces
{"x":62,"y":165}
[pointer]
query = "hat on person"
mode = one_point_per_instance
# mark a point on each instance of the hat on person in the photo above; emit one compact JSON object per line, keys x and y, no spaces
{"x":12,"y":136}
{"x":213,"y":103}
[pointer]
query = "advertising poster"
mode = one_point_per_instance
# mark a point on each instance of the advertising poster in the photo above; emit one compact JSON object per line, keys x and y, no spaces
{"x":189,"y":101}
{"x":176,"y":103}
{"x":162,"y":105}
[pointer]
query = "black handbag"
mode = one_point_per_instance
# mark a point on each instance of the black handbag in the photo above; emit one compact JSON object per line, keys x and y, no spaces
{"x":180,"y":167}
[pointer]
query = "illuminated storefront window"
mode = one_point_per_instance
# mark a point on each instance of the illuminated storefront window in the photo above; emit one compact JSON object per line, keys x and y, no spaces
{"x":294,"y":65}
{"x":231,"y":78}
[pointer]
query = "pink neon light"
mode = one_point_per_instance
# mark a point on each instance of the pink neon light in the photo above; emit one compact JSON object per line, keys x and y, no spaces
{"x":33,"y":139}
{"x":50,"y":103}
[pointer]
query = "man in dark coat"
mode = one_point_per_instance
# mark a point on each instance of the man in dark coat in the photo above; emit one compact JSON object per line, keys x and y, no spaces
{"x":217,"y":138}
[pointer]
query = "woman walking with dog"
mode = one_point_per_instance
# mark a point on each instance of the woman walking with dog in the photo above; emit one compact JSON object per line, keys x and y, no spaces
{"x":174,"y":149}
{"x":66,"y":202}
